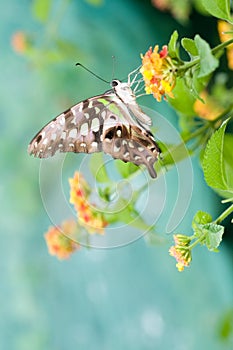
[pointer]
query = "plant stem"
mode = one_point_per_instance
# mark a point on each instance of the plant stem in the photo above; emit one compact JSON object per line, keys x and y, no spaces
{"x":198,"y":240}
{"x":196,"y":133}
{"x":222,"y":46}
{"x":53,"y":25}
{"x":227,"y":200}
{"x":226,"y":213}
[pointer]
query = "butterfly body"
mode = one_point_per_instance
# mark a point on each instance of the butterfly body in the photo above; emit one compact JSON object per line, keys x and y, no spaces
{"x":112,"y":123}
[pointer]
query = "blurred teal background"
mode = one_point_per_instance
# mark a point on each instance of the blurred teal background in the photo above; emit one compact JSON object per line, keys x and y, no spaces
{"x":126,"y":298}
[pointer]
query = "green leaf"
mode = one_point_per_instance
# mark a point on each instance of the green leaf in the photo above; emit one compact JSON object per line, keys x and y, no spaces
{"x":213,"y":162}
{"x":218,"y":8}
{"x":125,"y":169}
{"x":187,"y":89}
{"x":213,"y":235}
{"x":206,"y":231}
{"x":198,"y":5}
{"x":182,"y":93}
{"x":228,"y":158}
{"x":98,"y":169}
{"x":201,"y":218}
{"x":195,"y":84}
{"x":41,"y":9}
{"x":172,"y":45}
{"x":226,"y":325}
{"x":189,"y":46}
{"x":105,"y":193}
{"x":208,"y":63}
{"x":228,"y":166}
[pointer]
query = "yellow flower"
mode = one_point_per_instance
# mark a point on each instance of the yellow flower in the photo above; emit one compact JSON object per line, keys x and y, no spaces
{"x":223,"y":28}
{"x":57,"y":241}
{"x":181,"y":252}
{"x":159,"y":72}
{"x":93,"y":222}
{"x":88,"y":215}
{"x":210,"y":109}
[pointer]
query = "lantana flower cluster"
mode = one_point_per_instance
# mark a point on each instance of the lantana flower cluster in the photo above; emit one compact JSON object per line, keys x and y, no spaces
{"x":88,"y":215}
{"x":181,"y":251}
{"x":20,"y":42}
{"x":159,"y":72}
{"x":58,"y":238}
{"x":59,"y":243}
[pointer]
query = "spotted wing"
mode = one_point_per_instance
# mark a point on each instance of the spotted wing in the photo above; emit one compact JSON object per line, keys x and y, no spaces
{"x":101,"y":123}
{"x":130,"y":143}
{"x":78,"y":129}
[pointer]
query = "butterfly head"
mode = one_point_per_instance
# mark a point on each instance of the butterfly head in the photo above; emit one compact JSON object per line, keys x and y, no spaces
{"x":123,"y":91}
{"x":115,"y":82}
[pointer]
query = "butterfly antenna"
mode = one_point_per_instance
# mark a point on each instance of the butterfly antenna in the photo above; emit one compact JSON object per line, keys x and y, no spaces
{"x":113,"y":66}
{"x":95,"y":75}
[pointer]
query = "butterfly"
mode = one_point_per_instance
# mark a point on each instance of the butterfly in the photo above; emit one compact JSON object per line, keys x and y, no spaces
{"x":112,"y":123}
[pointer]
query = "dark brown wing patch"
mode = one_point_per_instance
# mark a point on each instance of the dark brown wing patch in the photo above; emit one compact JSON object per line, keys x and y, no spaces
{"x":131,"y":144}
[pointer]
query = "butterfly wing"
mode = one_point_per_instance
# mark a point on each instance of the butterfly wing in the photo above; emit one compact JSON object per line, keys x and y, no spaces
{"x":78,"y":129}
{"x":101,"y":123}
{"x":129,"y":141}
